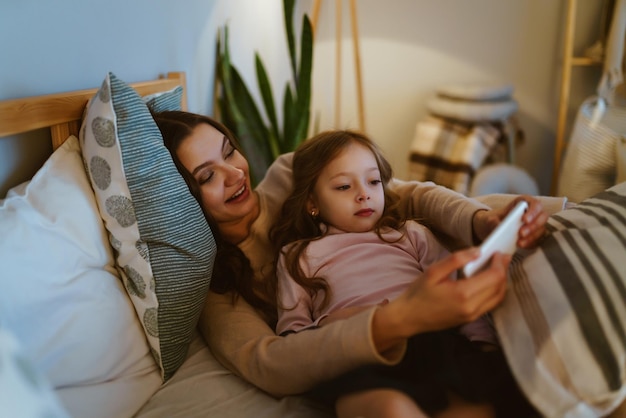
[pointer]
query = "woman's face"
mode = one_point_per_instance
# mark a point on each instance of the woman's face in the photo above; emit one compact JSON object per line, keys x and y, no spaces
{"x":222,"y":175}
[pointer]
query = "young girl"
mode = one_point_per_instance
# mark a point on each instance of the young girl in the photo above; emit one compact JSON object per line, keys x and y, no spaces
{"x":345,"y":247}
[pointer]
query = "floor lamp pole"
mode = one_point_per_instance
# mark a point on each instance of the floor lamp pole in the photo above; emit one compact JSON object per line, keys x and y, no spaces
{"x":357,"y":57}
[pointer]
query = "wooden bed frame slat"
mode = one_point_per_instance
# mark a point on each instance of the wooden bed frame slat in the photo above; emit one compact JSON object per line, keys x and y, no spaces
{"x":62,"y":112}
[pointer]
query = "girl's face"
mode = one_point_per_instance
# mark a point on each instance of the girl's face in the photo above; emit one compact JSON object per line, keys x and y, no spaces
{"x":222,"y":175}
{"x":349,"y":192}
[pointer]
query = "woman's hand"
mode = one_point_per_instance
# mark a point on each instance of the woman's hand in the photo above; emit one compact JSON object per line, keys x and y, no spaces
{"x":436,"y":301}
{"x":532,"y":230}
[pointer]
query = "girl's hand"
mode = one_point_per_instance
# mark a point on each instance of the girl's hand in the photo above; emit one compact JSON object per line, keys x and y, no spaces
{"x":530,"y":233}
{"x":436,"y":301}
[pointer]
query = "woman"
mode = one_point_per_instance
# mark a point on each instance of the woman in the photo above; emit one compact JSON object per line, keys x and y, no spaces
{"x":240,"y":312}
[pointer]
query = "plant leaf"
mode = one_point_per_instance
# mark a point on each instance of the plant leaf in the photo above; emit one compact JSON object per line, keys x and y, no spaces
{"x":246,"y":121}
{"x":288,"y":7}
{"x":303,"y":88}
{"x":266,"y":94}
{"x":290,"y":122}
{"x":306,"y":62}
{"x":252,"y":132}
{"x":263,"y":144}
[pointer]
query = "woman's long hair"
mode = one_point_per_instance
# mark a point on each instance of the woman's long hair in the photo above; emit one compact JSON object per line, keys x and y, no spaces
{"x":297,"y":227}
{"x":232,"y":271}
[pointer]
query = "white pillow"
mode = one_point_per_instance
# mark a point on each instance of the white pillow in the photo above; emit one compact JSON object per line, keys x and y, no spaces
{"x":62,"y":298}
{"x":24,"y":392}
{"x":472,"y":111}
{"x":477,"y":92}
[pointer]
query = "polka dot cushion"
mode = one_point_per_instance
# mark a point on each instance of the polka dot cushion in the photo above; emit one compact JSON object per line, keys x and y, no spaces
{"x":163,"y":245}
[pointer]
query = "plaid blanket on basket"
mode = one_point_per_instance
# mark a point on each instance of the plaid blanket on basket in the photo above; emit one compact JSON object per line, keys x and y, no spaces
{"x":449,"y":152}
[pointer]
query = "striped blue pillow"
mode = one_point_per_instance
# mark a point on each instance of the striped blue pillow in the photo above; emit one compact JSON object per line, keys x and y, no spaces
{"x":167,"y":100}
{"x":164,"y":247}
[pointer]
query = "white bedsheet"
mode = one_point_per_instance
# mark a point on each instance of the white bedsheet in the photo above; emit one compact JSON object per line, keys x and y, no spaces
{"x":202,"y":387}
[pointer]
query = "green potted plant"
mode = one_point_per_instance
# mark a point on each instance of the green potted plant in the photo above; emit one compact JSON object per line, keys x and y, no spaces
{"x":259,"y":133}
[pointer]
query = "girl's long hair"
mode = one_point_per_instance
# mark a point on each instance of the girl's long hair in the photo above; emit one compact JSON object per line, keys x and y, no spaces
{"x":232,"y":271}
{"x":297,"y":227}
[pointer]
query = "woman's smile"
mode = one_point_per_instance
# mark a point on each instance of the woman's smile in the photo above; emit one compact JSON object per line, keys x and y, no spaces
{"x":239,"y":196}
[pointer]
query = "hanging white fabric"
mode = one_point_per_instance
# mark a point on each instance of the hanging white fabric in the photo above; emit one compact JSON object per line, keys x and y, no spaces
{"x":591,"y":162}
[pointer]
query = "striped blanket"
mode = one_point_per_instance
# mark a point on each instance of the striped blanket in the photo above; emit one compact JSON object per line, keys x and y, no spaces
{"x":449,"y":153}
{"x":563,"y":322}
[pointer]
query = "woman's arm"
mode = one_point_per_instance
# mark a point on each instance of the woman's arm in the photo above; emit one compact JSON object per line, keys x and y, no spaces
{"x":460,"y":221}
{"x":437,"y":302}
{"x":447,"y":213}
{"x":245,"y":344}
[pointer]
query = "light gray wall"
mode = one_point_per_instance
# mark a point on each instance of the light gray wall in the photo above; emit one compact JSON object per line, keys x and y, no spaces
{"x":408,"y":49}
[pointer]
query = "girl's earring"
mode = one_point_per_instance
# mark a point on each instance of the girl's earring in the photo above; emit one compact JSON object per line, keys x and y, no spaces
{"x":313,"y":213}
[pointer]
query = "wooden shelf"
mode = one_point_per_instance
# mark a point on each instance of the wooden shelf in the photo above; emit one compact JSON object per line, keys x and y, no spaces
{"x":569,"y":61}
{"x":584,"y":62}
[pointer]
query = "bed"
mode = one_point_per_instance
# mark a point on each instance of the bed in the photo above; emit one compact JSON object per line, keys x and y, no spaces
{"x":73,"y":318}
{"x":101,"y":285}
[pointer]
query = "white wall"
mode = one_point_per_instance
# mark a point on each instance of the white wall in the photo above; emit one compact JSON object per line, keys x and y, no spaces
{"x":408,"y":49}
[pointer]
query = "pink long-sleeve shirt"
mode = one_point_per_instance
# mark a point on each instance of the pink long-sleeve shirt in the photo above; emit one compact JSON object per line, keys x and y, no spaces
{"x":360,"y":268}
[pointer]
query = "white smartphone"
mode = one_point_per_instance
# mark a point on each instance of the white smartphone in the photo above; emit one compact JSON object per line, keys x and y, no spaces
{"x":502,"y":239}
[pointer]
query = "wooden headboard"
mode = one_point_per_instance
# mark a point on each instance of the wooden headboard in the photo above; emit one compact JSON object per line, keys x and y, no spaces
{"x":62,"y":112}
